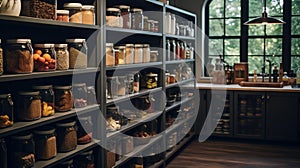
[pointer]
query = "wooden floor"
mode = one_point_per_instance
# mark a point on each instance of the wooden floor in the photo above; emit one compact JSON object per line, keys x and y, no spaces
{"x":233,"y":154}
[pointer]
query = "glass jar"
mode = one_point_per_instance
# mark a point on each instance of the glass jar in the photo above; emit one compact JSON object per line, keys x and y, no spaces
{"x":45,"y":143}
{"x":130,"y":86}
{"x":113,"y":17}
{"x":122,"y":85}
{"x":120,"y":56}
{"x":62,"y":56}
{"x":79,"y":91}
{"x":88,"y":14}
{"x":112,"y":87}
{"x":172,"y":78}
{"x":173,"y":50}
{"x":66,"y":136}
{"x":91,"y":95}
{"x":22,"y":151}
{"x":78,"y":53}
{"x":84,"y":160}
{"x":47,"y":99}
{"x":173,"y":24}
{"x":3,"y":153}
{"x":182,"y":50}
{"x":63,"y":98}
{"x":110,"y":54}
{"x":151,"y":25}
{"x":126,"y":15}
{"x":138,"y":53}
{"x":146,"y":53}
{"x":168,"y":22}
{"x":28,"y":106}
{"x":137,"y":19}
{"x":146,"y":24}
{"x":167,"y":74}
{"x":151,"y":81}
{"x":1,"y":59}
{"x":285,"y":79}
{"x":129,"y":57}
{"x":85,"y":130}
{"x":168,"y":47}
{"x":155,"y":26}
{"x":19,"y":56}
{"x":178,"y":50}
{"x":62,"y":15}
{"x":74,"y":12}
{"x":6,"y":111}
{"x":44,"y":57}
{"x":154,"y":56}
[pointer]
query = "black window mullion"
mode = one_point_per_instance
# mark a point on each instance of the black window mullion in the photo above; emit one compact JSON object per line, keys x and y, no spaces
{"x":286,"y":46}
{"x":244,"y":31}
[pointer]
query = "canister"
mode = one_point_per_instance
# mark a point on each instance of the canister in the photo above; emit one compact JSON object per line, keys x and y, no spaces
{"x":74,"y":12}
{"x":45,"y":143}
{"x":62,"y":56}
{"x":47,"y":99}
{"x":66,"y":136}
{"x":78,"y":52}
{"x":88,"y":14}
{"x":28,"y":106}
{"x":44,"y":57}
{"x":138,"y":53}
{"x":63,"y":98}
{"x":110,"y":54}
{"x":6,"y":110}
{"x":113,"y":17}
{"x":79,"y":91}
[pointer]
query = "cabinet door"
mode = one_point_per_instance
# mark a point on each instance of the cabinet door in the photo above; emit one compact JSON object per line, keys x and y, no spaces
{"x":281,"y":116}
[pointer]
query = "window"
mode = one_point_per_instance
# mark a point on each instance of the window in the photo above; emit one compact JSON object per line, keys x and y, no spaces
{"x":235,"y":42}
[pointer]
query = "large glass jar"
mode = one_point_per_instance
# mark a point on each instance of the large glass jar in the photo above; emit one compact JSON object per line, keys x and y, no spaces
{"x":84,"y":160}
{"x":113,"y":17}
{"x":154,"y":56}
{"x":62,"y":56}
{"x":146,"y":53}
{"x":22,"y":151}
{"x":75,"y":12}
{"x":129,"y":57}
{"x":6,"y":111}
{"x":122,"y":85}
{"x":45,"y":143}
{"x":85,"y":130}
{"x":44,"y":57}
{"x":151,"y":81}
{"x":138,"y":53}
{"x":28,"y":106}
{"x":112,"y":87}
{"x":79,"y":95}
{"x":78,"y":52}
{"x":19,"y":56}
{"x":110,"y":54}
{"x":146,"y":24}
{"x":137,"y":19}
{"x":126,"y":15}
{"x":47,"y":98}
{"x":1,"y":59}
{"x":66,"y":136}
{"x":63,"y":98}
{"x":120,"y":56}
{"x":88,"y":14}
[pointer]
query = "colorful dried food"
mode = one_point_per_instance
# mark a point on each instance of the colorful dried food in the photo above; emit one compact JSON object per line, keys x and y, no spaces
{"x":44,"y":57}
{"x":39,"y":8}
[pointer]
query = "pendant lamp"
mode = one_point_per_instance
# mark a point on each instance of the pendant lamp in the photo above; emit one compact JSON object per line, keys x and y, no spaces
{"x":264,"y":19}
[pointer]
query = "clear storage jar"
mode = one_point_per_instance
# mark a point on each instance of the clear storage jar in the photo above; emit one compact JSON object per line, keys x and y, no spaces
{"x":88,"y":14}
{"x":66,"y":136}
{"x":1,"y":59}
{"x":146,"y":24}
{"x":154,"y":56}
{"x":120,"y":56}
{"x":79,"y":95}
{"x":129,"y":57}
{"x":85,"y":130}
{"x":112,"y":87}
{"x":122,"y":85}
{"x":146,"y":53}
{"x":138,"y":53}
{"x":91,"y":95}
{"x":78,"y":53}
{"x":28,"y":106}
{"x":113,"y":17}
{"x":18,"y":56}
{"x":45,"y":143}
{"x":6,"y":110}
{"x":62,"y":15}
{"x":126,"y":15}
{"x":62,"y":56}
{"x":110,"y":54}
{"x":137,"y":19}
{"x":63,"y":98}
{"x":47,"y":99}
{"x":74,"y":12}
{"x":44,"y":57}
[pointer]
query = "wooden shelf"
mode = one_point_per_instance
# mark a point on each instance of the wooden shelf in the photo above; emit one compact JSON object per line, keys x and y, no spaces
{"x":180,"y":61}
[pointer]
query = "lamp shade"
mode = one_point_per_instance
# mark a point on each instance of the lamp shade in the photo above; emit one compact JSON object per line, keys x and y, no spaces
{"x":264,"y":20}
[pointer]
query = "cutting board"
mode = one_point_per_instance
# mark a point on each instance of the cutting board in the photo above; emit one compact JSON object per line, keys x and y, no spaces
{"x":261,"y":84}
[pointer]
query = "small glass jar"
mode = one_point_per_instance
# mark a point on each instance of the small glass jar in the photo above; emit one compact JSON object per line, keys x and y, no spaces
{"x":18,"y":57}
{"x":47,"y":99}
{"x":6,"y":111}
{"x":154,"y":56}
{"x":126,"y":15}
{"x":138,"y":53}
{"x":88,"y":14}
{"x":44,"y":57}
{"x":112,"y":87}
{"x":62,"y":15}
{"x":137,"y":19}
{"x":63,"y":98}
{"x":74,"y":12}
{"x":3,"y":153}
{"x":62,"y":56}
{"x":91,"y":95}
{"x":146,"y":24}
{"x":110,"y":54}
{"x":182,"y":50}
{"x":113,"y":17}
{"x":122,"y":85}
{"x":79,"y":91}
{"x":151,"y":25}
{"x":85,"y":130}
{"x":129,"y":57}
{"x":28,"y":106}
{"x":172,"y":78}
{"x":22,"y":151}
{"x":120,"y":56}
{"x":78,"y":53}
{"x":146,"y":53}
{"x":1,"y":59}
{"x":45,"y":143}
{"x":84,"y":160}
{"x":155,"y":24}
{"x":151,"y":81}
{"x":66,"y":136}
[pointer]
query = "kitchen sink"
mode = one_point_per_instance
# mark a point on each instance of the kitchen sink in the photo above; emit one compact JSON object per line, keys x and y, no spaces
{"x":261,"y":84}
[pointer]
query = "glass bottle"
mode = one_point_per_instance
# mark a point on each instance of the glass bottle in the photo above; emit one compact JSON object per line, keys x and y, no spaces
{"x":173,"y":50}
{"x":210,"y":67}
{"x":168,"y":50}
{"x":178,"y":49}
{"x":168,"y":22}
{"x":173,"y":24}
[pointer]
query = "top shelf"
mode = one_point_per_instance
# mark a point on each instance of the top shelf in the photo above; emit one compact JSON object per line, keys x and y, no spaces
{"x":170,"y":7}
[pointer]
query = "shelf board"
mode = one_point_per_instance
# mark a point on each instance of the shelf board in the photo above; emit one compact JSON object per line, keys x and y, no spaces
{"x":137,"y":150}
{"x":34,"y":75}
{"x":47,"y":22}
{"x":58,"y":116}
{"x":180,"y":83}
{"x":170,"y":7}
{"x":180,"y":37}
{"x":180,"y":61}
{"x":133,"y":66}
{"x":130,"y":96}
{"x":132,"y":31}
{"x":176,"y":125}
{"x":61,"y":157}
{"x":157,"y":164}
{"x":178,"y":103}
{"x":134,"y":124}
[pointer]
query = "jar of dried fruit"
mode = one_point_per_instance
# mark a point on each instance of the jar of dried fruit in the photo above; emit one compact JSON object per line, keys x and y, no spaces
{"x":78,"y":53}
{"x":6,"y":110}
{"x":44,"y":57}
{"x":47,"y":98}
{"x":63,"y":98}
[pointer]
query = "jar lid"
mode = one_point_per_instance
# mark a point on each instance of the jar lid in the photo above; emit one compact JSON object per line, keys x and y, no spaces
{"x":45,"y":130}
{"x":14,"y":41}
{"x":29,"y":93}
{"x":137,"y":10}
{"x":151,"y":21}
{"x":138,"y":45}
{"x":73,"y":5}
{"x":60,"y":45}
{"x":152,"y":74}
{"x":4,"y":96}
{"x":75,"y":40}
{"x":120,"y":47}
{"x":64,"y":12}
{"x":88,"y":7}
{"x":129,"y":45}
{"x":123,"y":6}
{"x":154,"y":51}
{"x":43,"y":45}
{"x":155,"y":21}
{"x":113,"y":10}
{"x":23,"y":136}
{"x":172,"y":75}
{"x":79,"y":85}
{"x":62,"y":87}
{"x":109,"y":44}
{"x":42,"y":87}
{"x":66,"y":124}
{"x":146,"y":45}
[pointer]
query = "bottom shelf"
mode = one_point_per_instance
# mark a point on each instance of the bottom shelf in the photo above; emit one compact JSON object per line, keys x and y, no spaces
{"x":179,"y":146}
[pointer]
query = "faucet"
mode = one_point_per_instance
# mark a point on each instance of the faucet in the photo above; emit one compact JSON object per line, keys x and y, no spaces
{"x":270,"y":69}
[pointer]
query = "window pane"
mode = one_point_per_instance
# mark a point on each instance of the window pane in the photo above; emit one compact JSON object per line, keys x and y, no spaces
{"x":255,"y":46}
{"x":295,"y":46}
{"x":216,"y":27}
{"x":275,"y":29}
{"x":256,"y":30}
{"x":232,"y":59}
{"x":295,"y":63}
{"x":296,"y":25}
{"x":275,"y":7}
{"x":232,"y":47}
{"x":255,"y":62}
{"x":215,"y":46}
{"x":216,"y":9}
{"x":233,"y":8}
{"x":275,"y":60}
{"x":233,"y":27}
{"x":255,"y":8}
{"x":274,"y":46}
{"x":295,"y":7}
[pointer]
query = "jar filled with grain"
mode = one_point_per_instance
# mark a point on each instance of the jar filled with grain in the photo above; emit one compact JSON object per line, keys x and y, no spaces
{"x":74,"y":12}
{"x":154,"y":56}
{"x":66,"y":136}
{"x":45,"y":143}
{"x":113,"y":17}
{"x":126,"y":15}
{"x":62,"y":56}
{"x":146,"y":24}
{"x":85,"y":130}
{"x":138,"y":53}
{"x":146,"y":53}
{"x":137,"y":19}
{"x":78,"y":53}
{"x":1,"y":59}
{"x":88,"y":14}
{"x":47,"y":99}
{"x":18,"y":57}
{"x":79,"y":95}
{"x":6,"y":110}
{"x":110,"y":54}
{"x":120,"y":56}
{"x":28,"y":106}
{"x":44,"y":57}
{"x":62,"y":15}
{"x":63,"y":98}
{"x":129,"y":57}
